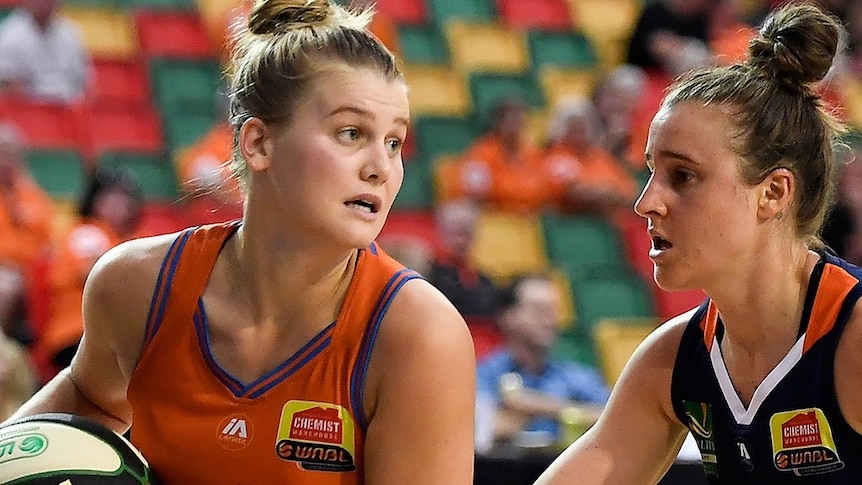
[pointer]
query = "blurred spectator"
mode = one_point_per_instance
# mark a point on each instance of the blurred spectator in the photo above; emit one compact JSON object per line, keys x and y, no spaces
{"x":205,"y":174}
{"x":502,"y":168}
{"x":532,"y":390}
{"x":671,"y":36}
{"x":616,"y":98}
{"x":843,"y":228}
{"x":17,"y":377}
{"x":108,"y":215}
{"x":473,"y":293}
{"x":25,"y":231}
{"x":729,"y":32}
{"x":582,"y":176}
{"x":42,"y":55}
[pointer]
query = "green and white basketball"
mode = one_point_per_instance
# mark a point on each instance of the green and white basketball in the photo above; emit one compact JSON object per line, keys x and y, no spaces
{"x":62,"y":449}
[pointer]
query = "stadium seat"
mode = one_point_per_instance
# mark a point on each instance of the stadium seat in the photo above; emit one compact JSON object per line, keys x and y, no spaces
{"x":410,"y":12}
{"x":616,"y":340}
{"x":183,"y":129}
{"x":162,"y":5}
{"x":540,"y":15}
{"x":576,"y":346}
{"x":120,"y":82}
{"x":507,"y":244}
{"x":439,"y":135}
{"x":561,"y":83}
{"x":580,"y":243}
{"x":418,"y":223}
{"x":44,"y":126}
{"x":416,"y":189}
{"x":59,"y":173}
{"x":116,"y":128}
{"x":608,"y":24}
{"x":441,"y":11}
{"x":185,"y":86}
{"x":154,"y":172}
{"x":609,"y":292}
{"x":436,"y":90}
{"x":487,"y":47}
{"x":425,"y":44}
{"x":180,"y":35}
{"x":488,"y":89}
{"x":561,"y":49}
{"x":162,"y":217}
{"x":108,"y":31}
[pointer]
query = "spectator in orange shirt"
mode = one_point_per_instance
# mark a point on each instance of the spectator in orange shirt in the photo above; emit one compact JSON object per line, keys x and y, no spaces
{"x":501,"y":169}
{"x":108,"y":215}
{"x":25,"y":231}
{"x":582,"y":176}
{"x":205,"y":174}
{"x":617,"y":99}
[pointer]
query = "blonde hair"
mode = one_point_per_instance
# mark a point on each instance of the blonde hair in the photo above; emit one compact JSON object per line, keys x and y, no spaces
{"x":284,"y":47}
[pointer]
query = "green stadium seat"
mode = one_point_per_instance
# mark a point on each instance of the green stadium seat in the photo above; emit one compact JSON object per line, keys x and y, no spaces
{"x":416,"y":190}
{"x":59,"y":173}
{"x":578,"y":244}
{"x":488,"y":89}
{"x":163,"y":5}
{"x":437,"y":135}
{"x":576,"y":346}
{"x":184,"y":129}
{"x":422,"y":44}
{"x":609,"y":293}
{"x":441,"y":11}
{"x":185,"y":86}
{"x":155,"y":173}
{"x":562,"y":49}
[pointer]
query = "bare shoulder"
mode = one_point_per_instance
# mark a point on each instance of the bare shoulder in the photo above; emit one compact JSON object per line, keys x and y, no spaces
{"x":119,"y":289}
{"x":421,"y":314}
{"x":848,"y":369}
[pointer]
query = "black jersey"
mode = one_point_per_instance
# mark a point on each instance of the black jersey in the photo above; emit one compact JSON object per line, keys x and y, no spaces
{"x":792,"y":431}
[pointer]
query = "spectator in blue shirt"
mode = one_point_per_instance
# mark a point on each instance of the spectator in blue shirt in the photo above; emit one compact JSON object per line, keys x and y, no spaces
{"x":531,"y":388}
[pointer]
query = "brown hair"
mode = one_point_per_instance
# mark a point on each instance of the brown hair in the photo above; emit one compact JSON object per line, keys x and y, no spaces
{"x":284,"y":47}
{"x":780,"y":120}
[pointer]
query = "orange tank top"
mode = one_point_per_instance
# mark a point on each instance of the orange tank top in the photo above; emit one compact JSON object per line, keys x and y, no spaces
{"x":301,"y":423}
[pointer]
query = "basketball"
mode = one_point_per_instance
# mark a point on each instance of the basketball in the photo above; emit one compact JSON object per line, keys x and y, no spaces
{"x":62,"y":449}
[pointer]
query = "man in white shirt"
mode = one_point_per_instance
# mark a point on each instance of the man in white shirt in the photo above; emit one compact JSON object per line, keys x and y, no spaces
{"x":42,"y":54}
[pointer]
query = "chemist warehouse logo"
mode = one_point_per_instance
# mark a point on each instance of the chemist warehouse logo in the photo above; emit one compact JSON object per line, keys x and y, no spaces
{"x":802,"y":442}
{"x":316,"y":436}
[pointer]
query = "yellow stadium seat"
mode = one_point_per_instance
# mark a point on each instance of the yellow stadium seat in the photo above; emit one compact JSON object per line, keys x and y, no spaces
{"x":567,"y":312}
{"x":108,"y":33}
{"x":560,"y":83}
{"x":487,"y":47}
{"x":507,"y":244}
{"x":536,"y":126}
{"x":608,"y":24}
{"x":437,"y":90}
{"x":616,"y":340}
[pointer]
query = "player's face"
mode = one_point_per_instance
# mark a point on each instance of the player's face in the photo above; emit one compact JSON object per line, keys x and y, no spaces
{"x":701,"y":215}
{"x":337,"y":165}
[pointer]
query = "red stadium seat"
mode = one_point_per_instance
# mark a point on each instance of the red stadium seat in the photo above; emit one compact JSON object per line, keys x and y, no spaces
{"x":535,"y":14}
{"x":109,"y":128}
{"x":45,"y":126}
{"x":120,"y":83}
{"x":418,"y":224}
{"x":179,"y":35}
{"x":410,"y":12}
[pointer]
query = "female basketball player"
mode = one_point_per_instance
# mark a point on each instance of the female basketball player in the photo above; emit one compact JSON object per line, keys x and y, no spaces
{"x":285,"y":347}
{"x":765,"y":374}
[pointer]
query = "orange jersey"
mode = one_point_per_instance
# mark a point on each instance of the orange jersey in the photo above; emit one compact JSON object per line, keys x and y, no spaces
{"x":301,"y":423}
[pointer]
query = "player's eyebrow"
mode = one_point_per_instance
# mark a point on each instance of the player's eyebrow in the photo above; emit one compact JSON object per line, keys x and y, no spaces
{"x":364,"y":113}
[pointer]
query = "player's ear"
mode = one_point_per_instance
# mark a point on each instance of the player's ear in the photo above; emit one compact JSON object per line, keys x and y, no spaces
{"x":255,"y":144}
{"x":776,"y":193}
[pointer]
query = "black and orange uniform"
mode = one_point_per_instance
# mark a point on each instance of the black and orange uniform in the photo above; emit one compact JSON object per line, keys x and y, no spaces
{"x":301,"y":423}
{"x":792,"y":431}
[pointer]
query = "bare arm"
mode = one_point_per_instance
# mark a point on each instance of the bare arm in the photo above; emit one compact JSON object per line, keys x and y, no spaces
{"x":848,"y":370}
{"x":423,"y":376}
{"x":637,"y":437}
{"x":116,"y":299}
